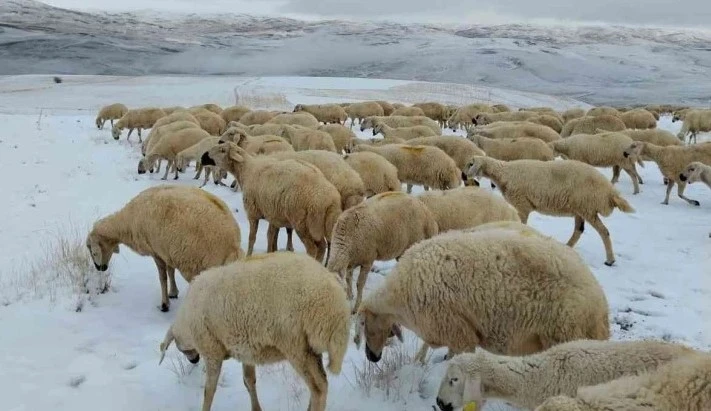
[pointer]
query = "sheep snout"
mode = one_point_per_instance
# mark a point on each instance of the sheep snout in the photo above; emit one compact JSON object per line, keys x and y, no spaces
{"x":444,"y":407}
{"x":102,"y":267}
{"x":372,"y":357}
{"x":682,"y":177}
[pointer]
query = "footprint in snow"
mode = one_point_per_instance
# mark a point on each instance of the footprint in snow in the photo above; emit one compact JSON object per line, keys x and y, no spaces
{"x":76,"y":381}
{"x":129,"y":365}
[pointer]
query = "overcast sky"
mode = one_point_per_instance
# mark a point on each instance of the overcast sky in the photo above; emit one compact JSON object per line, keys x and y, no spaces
{"x":679,"y":13}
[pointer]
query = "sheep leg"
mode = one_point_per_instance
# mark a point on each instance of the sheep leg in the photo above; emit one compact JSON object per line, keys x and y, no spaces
{"x":615,"y":174}
{"x":207,"y":175}
{"x":290,"y":239}
{"x":681,"y":186}
{"x":577,"y":231}
{"x":173,"y":290}
{"x":310,"y":366}
{"x":523,"y":215}
{"x":253,"y":226}
{"x":349,"y":283}
{"x":670,"y":185}
{"x":167,"y":170}
{"x":321,"y":245}
{"x":199,"y":172}
{"x":139,"y":135}
{"x":597,"y":224}
{"x":409,"y":188}
{"x":632,"y":172}
{"x":422,"y":353}
{"x":213,"y":368}
{"x":272,"y":236}
{"x":112,"y":124}
{"x":362,"y":278}
{"x":130,"y":130}
{"x":309,"y":244}
{"x":249,"y":377}
{"x":163,"y":278}
{"x":175,"y":167}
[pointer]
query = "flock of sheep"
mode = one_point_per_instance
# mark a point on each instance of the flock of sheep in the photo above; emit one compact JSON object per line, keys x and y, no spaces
{"x":521,"y":314}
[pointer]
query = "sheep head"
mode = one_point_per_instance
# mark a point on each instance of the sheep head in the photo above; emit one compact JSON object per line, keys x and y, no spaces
{"x":234,"y":135}
{"x":481,"y":119}
{"x":224,"y":155}
{"x":458,"y":389}
{"x":298,"y":107}
{"x":377,"y":329}
{"x":101,"y":248}
{"x":116,"y":131}
{"x":366,"y":123}
{"x":183,"y":344}
{"x":475,"y":168}
{"x":692,"y":172}
{"x":635,"y":149}
{"x":378,"y":129}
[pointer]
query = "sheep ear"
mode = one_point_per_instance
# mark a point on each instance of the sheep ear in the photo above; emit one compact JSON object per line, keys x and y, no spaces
{"x":165,"y":344}
{"x":359,"y":329}
{"x":235,"y":156}
{"x":397,"y":331}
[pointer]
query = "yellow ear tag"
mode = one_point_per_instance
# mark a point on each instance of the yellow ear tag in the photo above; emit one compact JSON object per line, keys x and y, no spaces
{"x":470,"y":406}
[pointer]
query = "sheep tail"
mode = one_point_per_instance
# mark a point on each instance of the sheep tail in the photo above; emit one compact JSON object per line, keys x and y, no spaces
{"x":337,"y":347}
{"x":599,"y":329}
{"x":619,"y":202}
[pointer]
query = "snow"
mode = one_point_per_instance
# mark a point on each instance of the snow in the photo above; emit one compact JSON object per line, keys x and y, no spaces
{"x":63,"y":173}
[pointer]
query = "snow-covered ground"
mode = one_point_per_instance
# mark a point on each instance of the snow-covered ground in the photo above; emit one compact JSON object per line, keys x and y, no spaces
{"x":61,"y":350}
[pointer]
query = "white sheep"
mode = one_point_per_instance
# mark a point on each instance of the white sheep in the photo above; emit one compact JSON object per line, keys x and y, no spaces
{"x":211,"y":107}
{"x":111,"y":112}
{"x":419,"y":165}
{"x":590,"y":124}
{"x":195,"y":152}
{"x":408,"y":112}
{"x":638,"y":119}
{"x":695,"y":121}
{"x":483,"y":119}
{"x":159,"y":132}
{"x":136,"y":119}
{"x":508,"y":149}
{"x":287,"y":193}
{"x":400,"y":121}
{"x":379,"y":229}
{"x":463,"y":117}
{"x":459,"y":149}
{"x":148,"y":225}
{"x":555,"y":122}
{"x":387,"y":107}
{"x":559,"y":188}
{"x":681,"y":385}
{"x":602,"y":150}
{"x":572,"y":114}
{"x":168,"y":148}
{"x":211,"y":122}
{"x":377,"y":173}
{"x":234,"y":113}
{"x":671,"y":161}
{"x":405,"y":133}
{"x":340,"y":134}
{"x":302,"y":118}
{"x":603,"y":111}
{"x":436,"y":111}
{"x":527,"y":381}
{"x":359,"y":111}
{"x":325,"y":113}
{"x":172,"y":109}
{"x":265,"y":309}
{"x":656,"y":136}
{"x":516,"y":130}
{"x":174,"y":117}
{"x":260,"y":144}
{"x":302,"y":138}
{"x":501,"y":108}
{"x":257,"y":117}
{"x":507,"y":291}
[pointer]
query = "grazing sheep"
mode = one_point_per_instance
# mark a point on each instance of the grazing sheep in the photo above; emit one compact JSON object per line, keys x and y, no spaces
{"x":157,"y":134}
{"x":195,"y":152}
{"x":211,"y":122}
{"x":168,"y":148}
{"x":136,"y":119}
{"x":508,"y":149}
{"x":463,"y":116}
{"x":459,"y":149}
{"x":483,"y":119}
{"x":359,"y":111}
{"x":638,"y":119}
{"x":603,"y":111}
{"x":419,"y":165}
{"x":501,"y":108}
{"x":680,"y":385}
{"x":400,"y":121}
{"x":340,"y":134}
{"x":379,"y":229}
{"x":150,"y":225}
{"x":466,"y":207}
{"x":504,"y":130}
{"x":234,"y":113}
{"x":265,"y":309}
{"x":377,"y":173}
{"x":172,"y":109}
{"x":510,"y":292}
{"x":436,"y":111}
{"x":287,"y":193}
{"x":263,"y":144}
{"x":387,"y":107}
{"x":325,"y":113}
{"x":590,"y":124}
{"x":547,"y":120}
{"x":601,"y":150}
{"x":302,"y":138}
{"x":257,"y":117}
{"x":405,"y":133}
{"x":211,"y":107}
{"x":695,"y":121}
{"x":559,"y":188}
{"x":408,"y":112}
{"x":527,"y":381}
{"x":111,"y":112}
{"x":572,"y":114}
{"x":174,"y":117}
{"x":671,"y":160}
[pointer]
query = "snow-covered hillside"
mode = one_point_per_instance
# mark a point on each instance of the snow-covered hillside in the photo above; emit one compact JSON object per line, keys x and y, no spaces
{"x":598,"y":64}
{"x":62,"y":350}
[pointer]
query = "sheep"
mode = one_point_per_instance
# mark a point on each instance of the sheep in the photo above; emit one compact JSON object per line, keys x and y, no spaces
{"x":459,"y":149}
{"x":589,"y":125}
{"x":526,"y":129}
{"x":149,"y":225}
{"x":234,"y":113}
{"x":157,"y":134}
{"x":377,"y":173}
{"x":325,"y":113}
{"x":547,"y":120}
{"x":675,"y":386}
{"x":507,"y":291}
{"x":303,"y":138}
{"x":168,"y":148}
{"x":340,"y":134}
{"x":408,"y":112}
{"x":211,"y":107}
{"x":463,"y":117}
{"x":172,"y":109}
{"x":695,"y":172}
{"x":540,"y":109}
{"x":671,"y":160}
{"x":263,"y":144}
{"x":435,"y":111}
{"x":265,"y":129}
{"x":695,"y":121}
{"x":266,"y":309}
{"x":526,"y":382}
{"x":655,"y":136}
{"x":373,"y":142}
{"x":419,"y":165}
{"x":287,"y":193}
{"x":346,"y":180}
{"x":603,"y":111}
{"x":400,"y":121}
{"x":572,"y":114}
{"x":466,"y":207}
{"x":211,"y":122}
{"x":195,"y":152}
{"x":638,"y":119}
{"x":257,"y":117}
{"x":508,"y":149}
{"x":405,"y":133}
{"x":174,"y":117}
{"x":386,"y":106}
{"x":679,"y":115}
{"x":138,"y":119}
{"x":379,"y":229}
{"x":359,"y":111}
{"x":483,"y":119}
{"x":501,"y":108}
{"x":601,"y":150}
{"x":560,"y":188}
{"x":303,"y":119}
{"x":397,"y":106}
{"x":111,"y":112}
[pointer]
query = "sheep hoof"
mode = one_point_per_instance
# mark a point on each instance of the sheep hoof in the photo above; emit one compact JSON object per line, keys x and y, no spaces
{"x":173,"y":296}
{"x":164,"y":307}
{"x":695,"y":203}
{"x":175,"y":178}
{"x":609,"y":263}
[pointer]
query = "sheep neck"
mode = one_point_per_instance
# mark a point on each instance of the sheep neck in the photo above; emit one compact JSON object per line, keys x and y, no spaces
{"x":493,"y":171}
{"x":706,"y":176}
{"x":114,"y":228}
